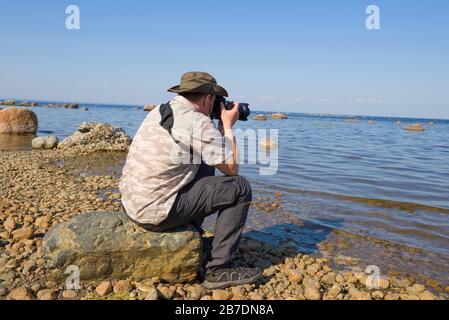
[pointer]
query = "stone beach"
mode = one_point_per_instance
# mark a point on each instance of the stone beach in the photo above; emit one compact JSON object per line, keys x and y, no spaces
{"x":43,"y":188}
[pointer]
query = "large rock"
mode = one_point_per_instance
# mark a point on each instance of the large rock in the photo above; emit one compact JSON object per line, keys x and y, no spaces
{"x":279,"y":116}
{"x":9,"y":102}
{"x":17,"y":121}
{"x":110,"y":245}
{"x":48,"y":142}
{"x":93,"y":137}
{"x":149,"y":107}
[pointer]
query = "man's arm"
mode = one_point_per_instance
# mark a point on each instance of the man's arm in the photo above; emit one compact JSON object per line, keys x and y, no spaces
{"x":229,"y":118}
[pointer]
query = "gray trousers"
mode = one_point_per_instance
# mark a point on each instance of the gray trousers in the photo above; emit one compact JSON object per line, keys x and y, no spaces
{"x":204,"y":196}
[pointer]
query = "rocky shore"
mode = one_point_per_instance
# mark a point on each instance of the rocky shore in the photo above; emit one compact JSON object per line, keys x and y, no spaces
{"x":44,"y":188}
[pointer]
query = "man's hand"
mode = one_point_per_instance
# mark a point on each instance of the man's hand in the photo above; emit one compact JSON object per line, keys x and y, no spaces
{"x":229,"y":117}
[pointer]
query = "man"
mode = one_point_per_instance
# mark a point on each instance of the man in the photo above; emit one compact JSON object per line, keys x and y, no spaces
{"x":162,"y":191}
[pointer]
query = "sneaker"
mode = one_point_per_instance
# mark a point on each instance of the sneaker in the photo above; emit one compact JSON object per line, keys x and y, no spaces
{"x":222,"y":278}
{"x":207,"y":248}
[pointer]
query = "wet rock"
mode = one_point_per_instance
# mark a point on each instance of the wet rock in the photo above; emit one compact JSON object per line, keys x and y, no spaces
{"x":400,"y":283}
{"x":104,"y":288}
{"x":95,"y":137}
{"x":110,"y":245}
{"x":416,"y":289}
{"x":21,"y":293}
{"x":48,"y":142}
{"x":18,"y":121}
{"x":279,"y":116}
{"x":415,"y":127}
{"x":260,"y":117}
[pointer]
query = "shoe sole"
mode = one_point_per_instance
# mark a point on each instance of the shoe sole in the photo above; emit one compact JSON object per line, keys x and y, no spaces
{"x":225,"y":284}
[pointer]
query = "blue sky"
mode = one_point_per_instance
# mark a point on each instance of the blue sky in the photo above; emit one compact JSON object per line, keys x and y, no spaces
{"x":299,"y":56}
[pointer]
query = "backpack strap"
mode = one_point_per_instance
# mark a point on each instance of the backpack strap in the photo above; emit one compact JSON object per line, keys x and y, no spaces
{"x":167,"y":118}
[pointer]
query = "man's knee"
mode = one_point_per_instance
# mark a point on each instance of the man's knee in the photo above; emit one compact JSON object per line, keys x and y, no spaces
{"x":244,"y":187}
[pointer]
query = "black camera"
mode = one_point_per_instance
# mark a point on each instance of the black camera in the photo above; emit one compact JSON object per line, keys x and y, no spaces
{"x":244,"y":111}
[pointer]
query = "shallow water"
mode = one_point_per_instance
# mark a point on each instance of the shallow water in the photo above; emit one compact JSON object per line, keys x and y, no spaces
{"x":376,"y":181}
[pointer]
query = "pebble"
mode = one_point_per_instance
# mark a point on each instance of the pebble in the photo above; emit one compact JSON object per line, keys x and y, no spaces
{"x":152,"y":294}
{"x":69,"y":294}
{"x":21,"y":293}
{"x":104,"y":288}
{"x":166,"y":293}
{"x":47,"y":294}
{"x":312,"y":294}
{"x":221,"y":295}
{"x":23,"y":233}
{"x":416,"y":289}
{"x":123,"y":286}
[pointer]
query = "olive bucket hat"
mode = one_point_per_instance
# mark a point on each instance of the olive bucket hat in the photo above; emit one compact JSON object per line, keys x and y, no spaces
{"x":199,"y":82}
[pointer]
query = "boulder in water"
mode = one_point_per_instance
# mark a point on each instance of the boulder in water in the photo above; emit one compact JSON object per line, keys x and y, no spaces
{"x":149,"y":107}
{"x":279,"y":116}
{"x":111,"y":246}
{"x":260,"y":117}
{"x":417,"y":127}
{"x":18,"y":121}
{"x":9,"y":102}
{"x":95,"y":137}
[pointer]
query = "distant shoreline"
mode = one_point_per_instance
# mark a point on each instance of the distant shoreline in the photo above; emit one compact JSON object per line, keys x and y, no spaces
{"x":330,"y":115}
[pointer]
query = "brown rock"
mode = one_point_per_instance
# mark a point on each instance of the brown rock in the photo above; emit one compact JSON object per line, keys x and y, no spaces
{"x":69,"y":294}
{"x":260,"y":117}
{"x":378,"y":295}
{"x":9,"y":224}
{"x":312,"y":294}
{"x":279,"y":116}
{"x":294,"y":275}
{"x":426,"y":295}
{"x":221,"y":295}
{"x":43,"y":222}
{"x":16,"y":121}
{"x":23,"y":233}
{"x":21,"y":293}
{"x":46,"y":294}
{"x":123,"y":286}
{"x":152,"y":294}
{"x":104,"y":288}
{"x":166,"y":293}
{"x":415,"y":127}
{"x":384,"y":284}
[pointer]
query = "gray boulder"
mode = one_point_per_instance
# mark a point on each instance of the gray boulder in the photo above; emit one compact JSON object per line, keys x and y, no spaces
{"x":111,"y":246}
{"x":94,"y":137}
{"x":48,"y":142}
